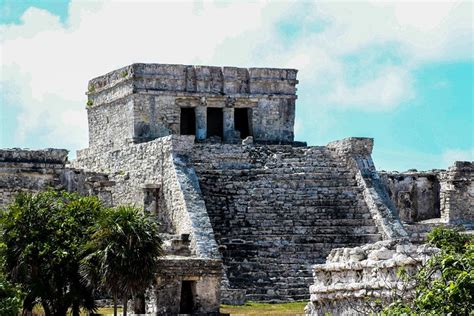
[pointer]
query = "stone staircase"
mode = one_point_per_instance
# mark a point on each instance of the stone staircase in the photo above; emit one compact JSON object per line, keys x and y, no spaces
{"x":277,"y":210}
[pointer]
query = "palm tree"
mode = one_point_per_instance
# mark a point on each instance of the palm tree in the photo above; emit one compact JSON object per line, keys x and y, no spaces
{"x":123,"y":255}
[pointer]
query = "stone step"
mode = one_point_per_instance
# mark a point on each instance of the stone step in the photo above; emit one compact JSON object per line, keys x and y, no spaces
{"x":276,"y":210}
{"x":250,"y":241}
{"x":287,"y":226}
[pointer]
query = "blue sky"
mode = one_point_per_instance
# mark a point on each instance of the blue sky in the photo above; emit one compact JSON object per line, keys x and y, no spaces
{"x":371,"y":69}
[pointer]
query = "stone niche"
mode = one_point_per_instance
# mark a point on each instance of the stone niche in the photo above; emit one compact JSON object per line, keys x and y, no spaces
{"x":142,"y":102}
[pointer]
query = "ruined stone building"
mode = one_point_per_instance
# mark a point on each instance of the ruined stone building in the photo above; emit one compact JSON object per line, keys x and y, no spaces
{"x":245,"y":210}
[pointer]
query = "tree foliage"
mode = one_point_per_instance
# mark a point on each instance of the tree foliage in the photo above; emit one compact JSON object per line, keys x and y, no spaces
{"x":445,"y":284}
{"x":11,"y":296}
{"x":44,"y":236}
{"x":123,"y":253}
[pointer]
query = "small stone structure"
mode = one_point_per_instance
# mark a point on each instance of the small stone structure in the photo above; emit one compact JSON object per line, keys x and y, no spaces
{"x":350,"y":276}
{"x":245,"y":210}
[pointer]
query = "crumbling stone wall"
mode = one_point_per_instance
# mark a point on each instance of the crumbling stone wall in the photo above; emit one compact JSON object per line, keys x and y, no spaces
{"x":158,"y":164}
{"x":415,"y":194}
{"x":37,"y":170}
{"x":440,"y":196}
{"x":352,"y":276}
{"x":457,"y":194}
{"x":146,"y":100}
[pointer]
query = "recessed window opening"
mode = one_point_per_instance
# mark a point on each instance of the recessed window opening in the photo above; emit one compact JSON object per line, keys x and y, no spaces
{"x":215,"y":122}
{"x":188,"y":121}
{"x":242,"y":121}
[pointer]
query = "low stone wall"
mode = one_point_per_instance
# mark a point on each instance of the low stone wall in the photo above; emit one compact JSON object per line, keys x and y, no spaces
{"x":351,"y":277}
{"x":23,"y":170}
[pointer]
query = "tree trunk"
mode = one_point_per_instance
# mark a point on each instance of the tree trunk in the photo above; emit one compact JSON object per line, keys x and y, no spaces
{"x":75,"y":309}
{"x":125,"y":301}
{"x":115,"y":305}
{"x":47,"y":310}
{"x":27,"y":306}
{"x":139,"y":304}
{"x":27,"y":312}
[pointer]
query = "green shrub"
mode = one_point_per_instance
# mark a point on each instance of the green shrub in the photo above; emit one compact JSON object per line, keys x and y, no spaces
{"x":445,"y":284}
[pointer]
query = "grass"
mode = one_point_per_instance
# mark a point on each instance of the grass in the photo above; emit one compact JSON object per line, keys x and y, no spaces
{"x":108,"y":311}
{"x":253,"y":308}
{"x":38,"y":311}
{"x":249,"y":308}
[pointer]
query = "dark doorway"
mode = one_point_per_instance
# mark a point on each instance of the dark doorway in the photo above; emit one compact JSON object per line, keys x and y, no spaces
{"x":186,"y":305}
{"x":188,"y":121}
{"x":241,"y":121}
{"x":215,"y":122}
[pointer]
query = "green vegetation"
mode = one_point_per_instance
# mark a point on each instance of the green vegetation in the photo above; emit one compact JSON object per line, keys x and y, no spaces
{"x":123,"y":255}
{"x":50,"y":241}
{"x":445,"y":284}
{"x":44,"y":235}
{"x":91,"y":89}
{"x":124,"y":74}
{"x":254,"y":308}
{"x":90,"y":103}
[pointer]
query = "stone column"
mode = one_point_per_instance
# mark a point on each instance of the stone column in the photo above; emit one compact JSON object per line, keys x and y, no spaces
{"x":201,"y":122}
{"x":229,"y":128}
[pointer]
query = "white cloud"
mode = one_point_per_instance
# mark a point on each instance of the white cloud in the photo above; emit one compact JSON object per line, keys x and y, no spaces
{"x":451,"y":155}
{"x":46,"y":64}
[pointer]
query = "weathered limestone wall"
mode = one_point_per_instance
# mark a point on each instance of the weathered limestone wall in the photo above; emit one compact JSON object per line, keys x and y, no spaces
{"x":37,"y":170}
{"x":276,"y":209}
{"x":415,"y":194}
{"x":111,"y":125}
{"x":352,"y":275}
{"x":149,"y":98}
{"x":357,"y":154}
{"x":457,"y":194}
{"x":158,"y":166}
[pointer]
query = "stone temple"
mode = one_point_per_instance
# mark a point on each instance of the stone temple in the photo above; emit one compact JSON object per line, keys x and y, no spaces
{"x":245,"y":211}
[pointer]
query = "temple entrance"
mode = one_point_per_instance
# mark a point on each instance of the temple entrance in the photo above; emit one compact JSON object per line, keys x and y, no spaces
{"x":186,"y":305}
{"x":188,"y":121}
{"x":242,"y":117}
{"x":215,"y":122}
